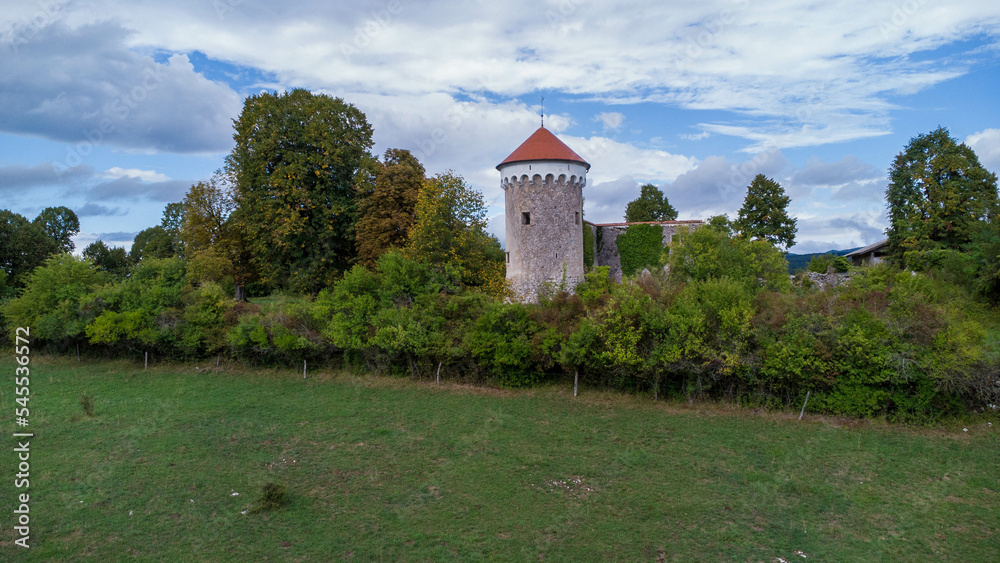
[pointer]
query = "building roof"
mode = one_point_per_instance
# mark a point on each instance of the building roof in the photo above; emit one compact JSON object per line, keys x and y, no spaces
{"x":870,"y":248}
{"x":543,"y":145}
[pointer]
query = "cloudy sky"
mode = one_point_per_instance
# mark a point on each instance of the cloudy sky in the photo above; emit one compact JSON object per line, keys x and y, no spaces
{"x":115,"y":108}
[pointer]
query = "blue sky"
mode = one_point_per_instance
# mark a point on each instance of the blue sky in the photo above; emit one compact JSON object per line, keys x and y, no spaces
{"x":115,"y":109}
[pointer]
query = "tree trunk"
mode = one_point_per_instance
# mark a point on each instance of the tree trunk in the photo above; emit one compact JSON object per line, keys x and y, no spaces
{"x":439,"y":374}
{"x":576,"y":379}
{"x":241,"y":292}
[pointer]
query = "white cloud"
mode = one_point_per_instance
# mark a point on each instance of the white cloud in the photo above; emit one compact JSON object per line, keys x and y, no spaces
{"x":610,"y":159}
{"x":802,"y":74}
{"x":605,"y":202}
{"x":859,"y":192}
{"x":717,"y":186}
{"x":610,"y":119}
{"x":85,"y":86}
{"x":819,"y":173}
{"x":772,"y":75}
{"x":144,"y":175}
{"x":848,"y":230}
{"x":131,"y":188}
{"x":986,"y":143}
{"x":696,"y":136}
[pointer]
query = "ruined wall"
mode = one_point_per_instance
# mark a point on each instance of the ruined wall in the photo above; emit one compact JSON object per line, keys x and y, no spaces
{"x":606,"y":241}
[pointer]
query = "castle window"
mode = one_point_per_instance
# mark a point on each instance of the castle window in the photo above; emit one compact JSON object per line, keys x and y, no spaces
{"x":577,"y":217}
{"x":525,"y":218}
{"x":508,"y":257}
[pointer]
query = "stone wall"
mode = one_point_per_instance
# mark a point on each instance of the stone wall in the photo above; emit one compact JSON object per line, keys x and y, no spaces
{"x":606,"y":237}
{"x":543,"y":226}
{"x":823,"y":281}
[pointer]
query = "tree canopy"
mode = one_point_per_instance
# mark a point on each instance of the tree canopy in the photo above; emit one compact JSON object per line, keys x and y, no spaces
{"x":294,"y":165}
{"x":152,"y":242}
{"x":937,"y":192}
{"x":450,"y":230}
{"x":173,"y":218}
{"x":113,"y":260}
{"x":214,"y":241}
{"x":60,"y":224}
{"x":651,"y":205}
{"x":24,"y":244}
{"x":386,"y":212}
{"x":764,"y":215}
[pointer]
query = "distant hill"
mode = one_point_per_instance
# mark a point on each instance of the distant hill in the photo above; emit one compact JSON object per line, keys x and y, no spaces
{"x":801,"y":261}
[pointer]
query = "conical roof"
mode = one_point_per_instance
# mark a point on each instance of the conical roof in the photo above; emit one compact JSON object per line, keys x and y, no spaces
{"x":543,"y":145}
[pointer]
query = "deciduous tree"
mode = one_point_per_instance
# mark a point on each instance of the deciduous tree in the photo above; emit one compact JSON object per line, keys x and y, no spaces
{"x":50,"y":303}
{"x":387,"y":212}
{"x":937,"y":191}
{"x":60,"y":224}
{"x":450,"y":229}
{"x":173,"y":218}
{"x":113,"y":260}
{"x":214,"y":240}
{"x":711,"y":253}
{"x":294,"y":166}
{"x":651,"y":205}
{"x":153,"y":242}
{"x":24,"y":245}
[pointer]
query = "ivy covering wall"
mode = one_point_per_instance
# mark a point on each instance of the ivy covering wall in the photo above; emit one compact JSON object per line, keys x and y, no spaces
{"x":640,"y":246}
{"x":588,"y":247}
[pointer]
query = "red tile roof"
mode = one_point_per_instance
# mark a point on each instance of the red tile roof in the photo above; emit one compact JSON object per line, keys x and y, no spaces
{"x":543,"y":145}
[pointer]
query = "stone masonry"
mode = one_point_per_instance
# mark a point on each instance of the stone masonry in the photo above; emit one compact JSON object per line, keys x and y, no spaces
{"x":606,"y":246}
{"x":544,"y":234}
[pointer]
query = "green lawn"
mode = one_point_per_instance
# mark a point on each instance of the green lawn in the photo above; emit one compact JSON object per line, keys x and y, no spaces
{"x":384,"y":469}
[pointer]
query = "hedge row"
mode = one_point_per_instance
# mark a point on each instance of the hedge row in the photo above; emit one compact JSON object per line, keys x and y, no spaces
{"x":723,"y":324}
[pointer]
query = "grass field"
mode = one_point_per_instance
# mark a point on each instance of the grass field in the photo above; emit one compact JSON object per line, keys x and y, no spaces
{"x":384,"y":469}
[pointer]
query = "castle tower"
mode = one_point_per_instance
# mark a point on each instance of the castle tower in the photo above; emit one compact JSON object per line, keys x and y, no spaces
{"x":543,"y":182}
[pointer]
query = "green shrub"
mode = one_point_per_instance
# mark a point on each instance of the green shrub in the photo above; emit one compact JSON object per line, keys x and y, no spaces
{"x":707,"y":332}
{"x":596,"y":285}
{"x":946,"y":264}
{"x":821,"y":263}
{"x":204,"y":310}
{"x":51,"y":302}
{"x":794,"y":360}
{"x":87,"y":404}
{"x":710,"y":252}
{"x":499,"y":342}
{"x":622,"y":335}
{"x":141,"y":311}
{"x":284,"y":332}
{"x":272,"y":496}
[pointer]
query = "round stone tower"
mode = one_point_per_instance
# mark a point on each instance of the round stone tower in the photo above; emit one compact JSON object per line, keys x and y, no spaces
{"x":543,"y":182}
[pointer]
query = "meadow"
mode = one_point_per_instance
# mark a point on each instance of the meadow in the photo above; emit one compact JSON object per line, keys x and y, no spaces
{"x":170,"y":463}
